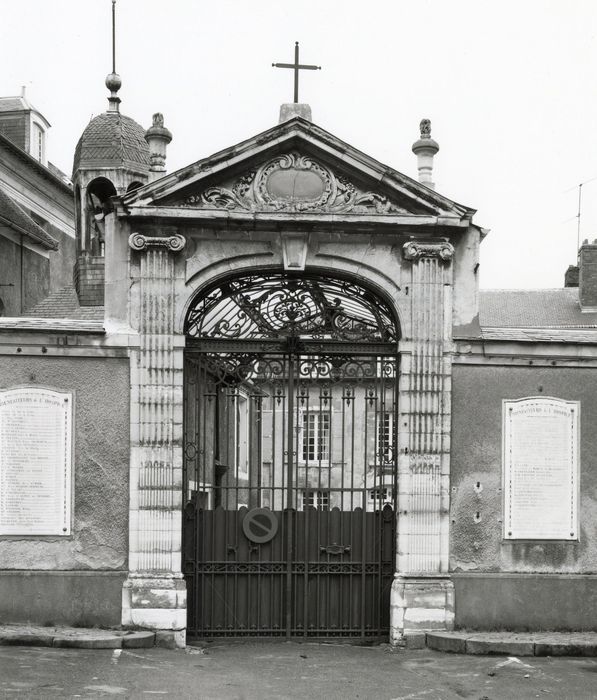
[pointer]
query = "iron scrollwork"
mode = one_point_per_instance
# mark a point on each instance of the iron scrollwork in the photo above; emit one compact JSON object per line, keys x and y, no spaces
{"x":280,"y":306}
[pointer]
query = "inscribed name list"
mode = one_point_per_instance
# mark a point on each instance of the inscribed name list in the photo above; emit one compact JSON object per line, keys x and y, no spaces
{"x":35,"y":462}
{"x":541,"y":469}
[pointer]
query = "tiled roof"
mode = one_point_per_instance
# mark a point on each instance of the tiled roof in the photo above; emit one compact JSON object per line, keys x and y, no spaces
{"x":112,"y":139}
{"x":14,"y":216}
{"x":64,"y":304}
{"x":533,"y":308}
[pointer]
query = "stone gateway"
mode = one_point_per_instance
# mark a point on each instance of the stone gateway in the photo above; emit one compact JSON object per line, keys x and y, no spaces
{"x":275,"y":403}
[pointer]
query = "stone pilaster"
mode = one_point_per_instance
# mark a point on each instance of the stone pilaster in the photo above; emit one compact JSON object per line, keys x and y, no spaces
{"x":422,"y":594}
{"x":154,"y":594}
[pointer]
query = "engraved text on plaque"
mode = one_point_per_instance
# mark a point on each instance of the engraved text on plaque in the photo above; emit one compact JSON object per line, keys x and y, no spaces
{"x":35,"y":462}
{"x":540,"y":468}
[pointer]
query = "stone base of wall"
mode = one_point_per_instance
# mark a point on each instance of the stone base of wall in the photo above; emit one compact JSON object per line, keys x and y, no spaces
{"x":89,"y":277}
{"x":525,"y":601}
{"x":78,"y":598}
{"x":158,"y":603}
{"x":420,"y":604}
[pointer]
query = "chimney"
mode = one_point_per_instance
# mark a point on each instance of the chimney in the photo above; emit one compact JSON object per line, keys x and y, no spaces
{"x":425,"y":148}
{"x":158,"y":138}
{"x":587,"y":278}
{"x":571,"y":276}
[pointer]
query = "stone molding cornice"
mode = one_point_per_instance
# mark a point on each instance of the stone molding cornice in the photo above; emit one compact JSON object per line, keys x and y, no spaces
{"x":174,"y":244}
{"x":412,"y":250}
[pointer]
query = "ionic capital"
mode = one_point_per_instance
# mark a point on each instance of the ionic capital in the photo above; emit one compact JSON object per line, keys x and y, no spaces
{"x":412,"y":250}
{"x":139,"y":241}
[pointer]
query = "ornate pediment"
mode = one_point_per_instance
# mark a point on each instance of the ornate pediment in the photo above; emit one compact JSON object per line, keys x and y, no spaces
{"x":295,"y":183}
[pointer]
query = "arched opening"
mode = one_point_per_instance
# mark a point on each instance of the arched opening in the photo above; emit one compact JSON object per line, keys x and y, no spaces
{"x":134,"y":186}
{"x":290,"y":460}
{"x":98,"y":205}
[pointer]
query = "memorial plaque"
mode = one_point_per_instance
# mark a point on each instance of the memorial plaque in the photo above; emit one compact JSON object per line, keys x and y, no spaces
{"x":35,"y":461}
{"x":540,"y":457}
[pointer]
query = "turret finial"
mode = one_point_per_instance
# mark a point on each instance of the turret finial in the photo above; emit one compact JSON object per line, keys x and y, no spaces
{"x":113,"y":80}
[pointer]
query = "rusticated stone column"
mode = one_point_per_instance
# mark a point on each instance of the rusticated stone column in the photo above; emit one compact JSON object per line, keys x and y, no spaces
{"x":154,"y":594}
{"x":422,"y":594}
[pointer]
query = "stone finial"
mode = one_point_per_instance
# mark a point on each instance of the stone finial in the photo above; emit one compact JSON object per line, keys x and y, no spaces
{"x":289,"y":110}
{"x":113,"y":83}
{"x":158,"y":138}
{"x":425,"y":149}
{"x":425,"y":127}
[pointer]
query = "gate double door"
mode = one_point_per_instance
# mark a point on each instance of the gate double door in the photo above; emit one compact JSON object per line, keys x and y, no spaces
{"x":290,"y":488}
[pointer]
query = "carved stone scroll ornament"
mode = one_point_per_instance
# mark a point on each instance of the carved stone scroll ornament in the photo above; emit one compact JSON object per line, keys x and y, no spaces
{"x":415,"y":251}
{"x":293,"y":182}
{"x":139,"y":241}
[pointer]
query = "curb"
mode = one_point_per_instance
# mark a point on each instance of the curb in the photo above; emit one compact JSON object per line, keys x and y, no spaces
{"x":78,"y":639}
{"x":512,"y":644}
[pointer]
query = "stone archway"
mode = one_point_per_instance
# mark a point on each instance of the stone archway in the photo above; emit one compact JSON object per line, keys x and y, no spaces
{"x":155,"y":592}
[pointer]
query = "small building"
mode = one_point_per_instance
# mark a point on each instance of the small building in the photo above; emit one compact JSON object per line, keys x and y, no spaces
{"x":37,"y":232}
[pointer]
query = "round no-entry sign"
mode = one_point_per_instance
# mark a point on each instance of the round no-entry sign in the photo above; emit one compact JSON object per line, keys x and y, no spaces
{"x":260,"y":525}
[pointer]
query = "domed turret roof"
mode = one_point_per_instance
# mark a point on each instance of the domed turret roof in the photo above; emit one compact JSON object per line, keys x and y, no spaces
{"x":112,"y":140}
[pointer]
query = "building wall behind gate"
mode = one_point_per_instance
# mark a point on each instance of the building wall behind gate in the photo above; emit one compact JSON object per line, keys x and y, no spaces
{"x":76,"y":579}
{"x":512,"y":584}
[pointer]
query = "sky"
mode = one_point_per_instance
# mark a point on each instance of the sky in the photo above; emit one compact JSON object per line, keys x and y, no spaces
{"x":510,"y":87}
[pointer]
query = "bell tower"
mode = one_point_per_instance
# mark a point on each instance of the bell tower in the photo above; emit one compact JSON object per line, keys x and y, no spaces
{"x":112,"y":157}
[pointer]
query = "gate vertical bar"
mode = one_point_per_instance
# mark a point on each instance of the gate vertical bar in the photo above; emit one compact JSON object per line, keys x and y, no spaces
{"x":289,"y":494}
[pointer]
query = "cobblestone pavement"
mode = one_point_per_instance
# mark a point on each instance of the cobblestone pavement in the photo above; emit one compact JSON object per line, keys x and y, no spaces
{"x":264,"y":671}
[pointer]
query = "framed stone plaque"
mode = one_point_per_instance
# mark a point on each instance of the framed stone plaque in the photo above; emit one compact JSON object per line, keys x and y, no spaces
{"x":35,"y":461}
{"x":540,"y":468}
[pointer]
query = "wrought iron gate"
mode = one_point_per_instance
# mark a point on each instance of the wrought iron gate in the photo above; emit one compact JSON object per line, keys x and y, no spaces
{"x":290,"y":460}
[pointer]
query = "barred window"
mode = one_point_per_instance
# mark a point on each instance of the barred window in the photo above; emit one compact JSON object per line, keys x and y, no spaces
{"x":386,"y":435}
{"x":316,"y":499}
{"x":315,"y":436}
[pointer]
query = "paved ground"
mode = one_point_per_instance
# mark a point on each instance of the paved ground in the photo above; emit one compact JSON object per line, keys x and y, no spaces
{"x":288,"y":670}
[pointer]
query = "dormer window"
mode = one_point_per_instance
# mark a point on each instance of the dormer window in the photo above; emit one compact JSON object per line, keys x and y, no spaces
{"x":38,"y":142}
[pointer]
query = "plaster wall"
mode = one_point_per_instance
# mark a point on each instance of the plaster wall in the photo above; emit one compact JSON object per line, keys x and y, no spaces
{"x":465,"y":312}
{"x":477,"y":394}
{"x":27,"y":271}
{"x":505,"y":584}
{"x":61,"y":260}
{"x":99,"y":540}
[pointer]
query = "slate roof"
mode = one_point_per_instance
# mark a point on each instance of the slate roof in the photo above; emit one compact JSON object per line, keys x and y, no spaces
{"x":14,"y":216}
{"x":12,"y":104}
{"x":533,"y":308}
{"x":112,"y":139}
{"x":64,"y":304}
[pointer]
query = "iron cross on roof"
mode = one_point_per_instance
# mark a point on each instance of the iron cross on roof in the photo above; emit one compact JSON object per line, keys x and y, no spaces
{"x":296,"y":66}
